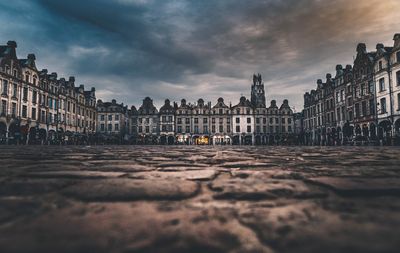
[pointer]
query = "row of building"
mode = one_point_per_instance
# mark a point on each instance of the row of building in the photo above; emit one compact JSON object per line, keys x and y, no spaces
{"x":248,"y":122}
{"x":37,"y":106}
{"x":361,"y":102}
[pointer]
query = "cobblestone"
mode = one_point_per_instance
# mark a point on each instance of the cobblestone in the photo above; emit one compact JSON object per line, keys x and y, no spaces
{"x":199,"y":199}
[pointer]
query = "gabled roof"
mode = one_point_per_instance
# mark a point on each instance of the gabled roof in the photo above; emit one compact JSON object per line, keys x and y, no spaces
{"x":243,"y":102}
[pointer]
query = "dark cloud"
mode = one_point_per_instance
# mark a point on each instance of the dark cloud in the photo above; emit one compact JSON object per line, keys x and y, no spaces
{"x":130,"y":49}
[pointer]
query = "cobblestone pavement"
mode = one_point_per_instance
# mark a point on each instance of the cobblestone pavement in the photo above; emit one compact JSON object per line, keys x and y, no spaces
{"x":199,"y":199}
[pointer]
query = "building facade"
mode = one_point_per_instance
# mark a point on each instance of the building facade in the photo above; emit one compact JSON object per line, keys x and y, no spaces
{"x":366,"y":102}
{"x":36,"y":107}
{"x":113,"y":120}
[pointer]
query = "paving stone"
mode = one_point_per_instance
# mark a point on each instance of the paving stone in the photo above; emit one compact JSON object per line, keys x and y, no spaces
{"x":254,"y":188}
{"x":200,"y":175}
{"x":360,"y":186}
{"x":131,"y":189}
{"x":74,"y":174}
{"x":115,"y":199}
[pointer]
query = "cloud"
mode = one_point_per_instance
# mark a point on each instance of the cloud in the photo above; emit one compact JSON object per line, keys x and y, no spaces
{"x":130,"y":49}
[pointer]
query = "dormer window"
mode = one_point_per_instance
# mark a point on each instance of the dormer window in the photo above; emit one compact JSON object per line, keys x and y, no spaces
{"x":380,"y":66}
{"x":15,"y":73}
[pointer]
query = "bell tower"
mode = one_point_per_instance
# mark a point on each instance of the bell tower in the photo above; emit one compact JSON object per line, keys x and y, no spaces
{"x":257,"y":91}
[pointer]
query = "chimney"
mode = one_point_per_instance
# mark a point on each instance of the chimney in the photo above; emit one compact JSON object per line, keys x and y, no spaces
{"x":361,"y":48}
{"x":31,"y":57}
{"x":396,"y":39}
{"x":72,"y":79}
{"x":93,"y":89}
{"x":328,"y":76}
{"x":12,"y":44}
{"x":379,"y":46}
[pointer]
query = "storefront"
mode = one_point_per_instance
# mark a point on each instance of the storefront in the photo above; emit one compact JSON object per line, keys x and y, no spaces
{"x":201,"y":140}
{"x":183,"y":139}
{"x":221,"y":140}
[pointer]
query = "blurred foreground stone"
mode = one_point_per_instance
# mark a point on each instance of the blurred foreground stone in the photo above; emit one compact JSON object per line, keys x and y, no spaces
{"x":199,"y":199}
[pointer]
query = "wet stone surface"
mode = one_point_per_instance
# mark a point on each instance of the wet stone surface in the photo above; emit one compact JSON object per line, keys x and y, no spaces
{"x":199,"y":199}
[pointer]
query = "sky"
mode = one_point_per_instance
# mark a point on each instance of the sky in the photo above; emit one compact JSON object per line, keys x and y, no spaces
{"x":130,"y":49}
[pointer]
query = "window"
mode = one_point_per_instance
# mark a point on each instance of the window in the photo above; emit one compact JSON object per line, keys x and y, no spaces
{"x":289,"y":120}
{"x":283,"y":120}
{"x":34,"y":96}
{"x":364,"y":108}
{"x":3,"y":107}
{"x":196,"y":120}
{"x":180,"y":121}
{"x":205,"y":120}
{"x":25,"y":94}
{"x":116,"y":116}
{"x":14,"y":109}
{"x":398,"y":78}
{"x":110,"y":127}
{"x":380,"y":65}
{"x":109,"y":117}
{"x":116,"y":127}
{"x":371,"y":87}
{"x":249,"y":129}
{"x":205,"y":128}
{"x":398,"y":101}
{"x":24,"y":111}
{"x":283,"y":129}
{"x":362,"y":89}
{"x":15,"y":90}
{"x":33,"y":113}
{"x":248,"y":120}
{"x":383,"y":105}
{"x":398,"y":57}
{"x":371,"y":107}
{"x":5,"y":88}
{"x":381,"y":84}
{"x":147,"y":129}
{"x":102,"y":117}
{"x":221,"y":129}
{"x":179,"y":129}
{"x":196,"y":129}
{"x":357,"y":109}
{"x":187,"y":121}
{"x":102,"y":127}
{"x":140,"y":129}
{"x":237,"y":129}
{"x":228,"y":128}
{"x":238,"y":120}
{"x":187,"y":129}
